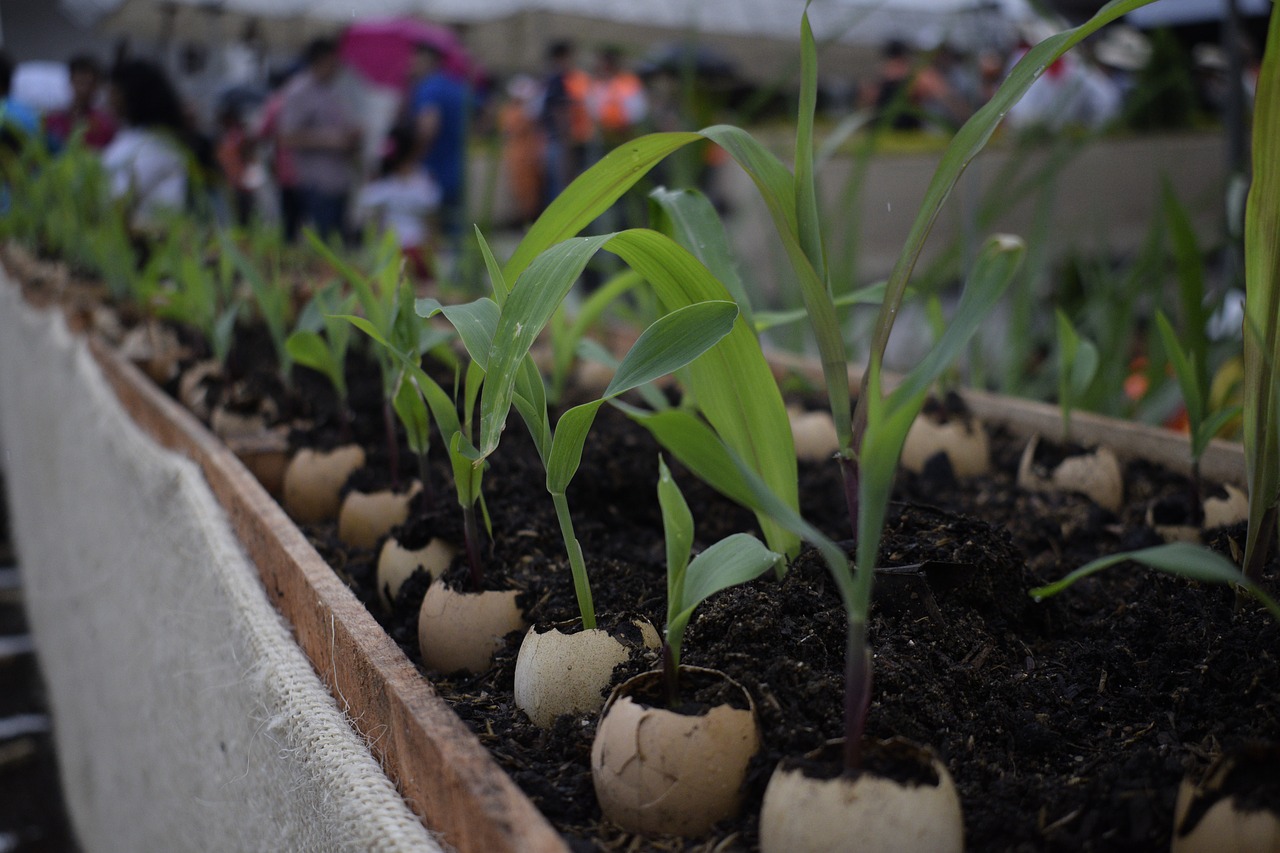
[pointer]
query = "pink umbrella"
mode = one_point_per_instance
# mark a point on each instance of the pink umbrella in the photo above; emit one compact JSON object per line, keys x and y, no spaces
{"x":383,"y":50}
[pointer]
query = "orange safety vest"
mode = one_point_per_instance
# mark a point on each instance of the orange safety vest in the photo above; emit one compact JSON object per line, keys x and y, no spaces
{"x":619,"y":102}
{"x":577,"y":84}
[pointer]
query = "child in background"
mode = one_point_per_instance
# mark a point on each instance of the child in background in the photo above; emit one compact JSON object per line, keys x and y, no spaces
{"x":403,"y":199}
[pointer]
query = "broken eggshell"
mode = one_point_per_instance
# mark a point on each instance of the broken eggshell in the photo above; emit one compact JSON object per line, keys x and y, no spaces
{"x":657,"y":771}
{"x":1220,"y":511}
{"x":804,"y":813}
{"x":314,"y":479}
{"x":1096,"y":475}
{"x":814,"y":434}
{"x":460,"y":630}
{"x":396,"y":563}
{"x":365,"y":517}
{"x":567,"y":672}
{"x":963,"y":439}
{"x":1211,"y":818}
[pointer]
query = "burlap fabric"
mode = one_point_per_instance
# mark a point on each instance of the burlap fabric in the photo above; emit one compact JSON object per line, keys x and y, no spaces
{"x":186,"y":718}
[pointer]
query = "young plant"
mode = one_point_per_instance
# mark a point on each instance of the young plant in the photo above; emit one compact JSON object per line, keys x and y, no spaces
{"x":673,"y":342}
{"x":200,"y":297}
{"x":1077,"y":365}
{"x":1262,"y":314}
{"x":273,"y":299}
{"x":1203,"y":423}
{"x":734,"y":560}
{"x":327,"y":353}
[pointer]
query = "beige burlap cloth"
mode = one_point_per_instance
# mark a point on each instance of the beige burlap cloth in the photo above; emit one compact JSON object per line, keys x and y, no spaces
{"x":186,"y":717}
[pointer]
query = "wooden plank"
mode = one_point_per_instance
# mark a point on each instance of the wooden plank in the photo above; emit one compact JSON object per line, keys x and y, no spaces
{"x":446,"y":775}
{"x":1222,"y":462}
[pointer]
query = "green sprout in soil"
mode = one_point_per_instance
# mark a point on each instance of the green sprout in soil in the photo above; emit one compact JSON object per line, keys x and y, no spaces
{"x":734,"y":560}
{"x":1077,"y":366}
{"x":326,"y":353}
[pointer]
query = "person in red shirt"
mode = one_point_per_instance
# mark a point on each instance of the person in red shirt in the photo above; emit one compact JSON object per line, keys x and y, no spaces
{"x":84,"y":110}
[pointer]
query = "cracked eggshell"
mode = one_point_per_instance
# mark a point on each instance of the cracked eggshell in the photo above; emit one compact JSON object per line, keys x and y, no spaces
{"x":367,"y":517}
{"x":193,"y":386}
{"x":659,"y":772}
{"x":461,"y":630}
{"x":1095,"y":475}
{"x":313,"y":482}
{"x":814,"y":434}
{"x":1207,"y":818}
{"x":1220,"y":512}
{"x":801,"y":814}
{"x":396,"y":563}
{"x":567,"y":672}
{"x":964,"y":440}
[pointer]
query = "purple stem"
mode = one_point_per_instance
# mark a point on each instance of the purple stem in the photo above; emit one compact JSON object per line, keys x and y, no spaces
{"x":670,"y":675}
{"x":857,"y":696}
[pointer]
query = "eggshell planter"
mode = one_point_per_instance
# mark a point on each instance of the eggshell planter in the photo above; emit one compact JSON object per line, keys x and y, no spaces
{"x":460,"y":630}
{"x":1095,"y":474}
{"x":1222,"y":813}
{"x":396,"y":563}
{"x":657,"y":771}
{"x":909,"y":812}
{"x":569,"y":671}
{"x":961,"y":439}
{"x":313,"y":481}
{"x":366,"y":517}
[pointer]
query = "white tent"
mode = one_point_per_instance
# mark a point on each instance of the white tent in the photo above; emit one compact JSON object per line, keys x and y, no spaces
{"x":289,"y":23}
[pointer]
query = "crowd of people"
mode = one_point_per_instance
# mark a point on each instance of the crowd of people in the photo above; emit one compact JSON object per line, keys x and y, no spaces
{"x":301,"y":148}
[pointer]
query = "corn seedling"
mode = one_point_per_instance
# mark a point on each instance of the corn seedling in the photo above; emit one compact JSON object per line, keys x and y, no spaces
{"x":273,"y":300}
{"x":1077,"y":366}
{"x":1262,"y":313}
{"x":200,"y":297}
{"x":733,"y":560}
{"x":327,"y":353}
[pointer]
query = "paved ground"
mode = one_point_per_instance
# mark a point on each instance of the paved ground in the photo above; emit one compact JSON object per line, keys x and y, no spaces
{"x":32,"y":815}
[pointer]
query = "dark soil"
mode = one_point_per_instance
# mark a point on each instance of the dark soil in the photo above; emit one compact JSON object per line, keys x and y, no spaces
{"x":1067,"y":725}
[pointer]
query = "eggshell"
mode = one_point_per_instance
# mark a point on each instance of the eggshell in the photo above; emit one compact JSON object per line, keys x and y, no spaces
{"x":396,"y":563}
{"x":193,"y":388}
{"x":568,"y":672}
{"x":964,"y":440}
{"x":314,"y":480}
{"x":659,"y":772}
{"x":1219,"y":512}
{"x":366,"y":517}
{"x":460,"y":630}
{"x":1095,"y":475}
{"x":1224,"y":827}
{"x":814,"y":434}
{"x":867,"y":812}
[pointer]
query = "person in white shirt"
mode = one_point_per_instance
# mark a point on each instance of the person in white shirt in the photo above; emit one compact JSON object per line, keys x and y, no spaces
{"x":147,"y":161}
{"x":404,"y":199}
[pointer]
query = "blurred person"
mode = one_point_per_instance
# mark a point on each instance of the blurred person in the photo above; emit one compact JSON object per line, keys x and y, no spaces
{"x":439,"y":105}
{"x":403,"y":199}
{"x":234,"y":152}
{"x":523,"y":146}
{"x":905,"y":93}
{"x":85,"y":110}
{"x":616,"y":101}
{"x":567,"y":126}
{"x":266,"y":132}
{"x":323,"y":136}
{"x":16,"y":118}
{"x":148,"y":161}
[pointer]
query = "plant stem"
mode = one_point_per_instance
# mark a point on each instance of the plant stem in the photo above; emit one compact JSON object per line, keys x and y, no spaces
{"x":344,"y":421}
{"x":849,"y":476}
{"x":471,"y":535}
{"x":581,"y":585}
{"x":670,"y":675}
{"x":393,"y":449}
{"x":857,"y":692}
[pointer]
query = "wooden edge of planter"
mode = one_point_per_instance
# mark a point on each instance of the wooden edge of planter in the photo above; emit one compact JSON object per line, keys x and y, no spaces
{"x":440,"y":767}
{"x":1222,"y":461}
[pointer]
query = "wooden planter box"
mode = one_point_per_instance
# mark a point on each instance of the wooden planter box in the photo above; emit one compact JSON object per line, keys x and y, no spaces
{"x":444,"y":773}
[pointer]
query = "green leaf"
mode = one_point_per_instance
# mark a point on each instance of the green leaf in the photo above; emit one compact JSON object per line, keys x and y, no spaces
{"x":309,"y":349}
{"x":1184,"y":370}
{"x":698,"y":448}
{"x":1189,"y":264}
{"x":536,"y":295}
{"x":677,"y":529}
{"x":497,"y":280}
{"x":476,"y":322}
{"x":872,"y":294}
{"x":671,"y":342}
{"x":1178,"y":558}
{"x":689,"y":218}
{"x":368,"y":328}
{"x":808,"y":223}
{"x":733,"y":560}
{"x":412,"y":411}
{"x":1262,"y":311}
